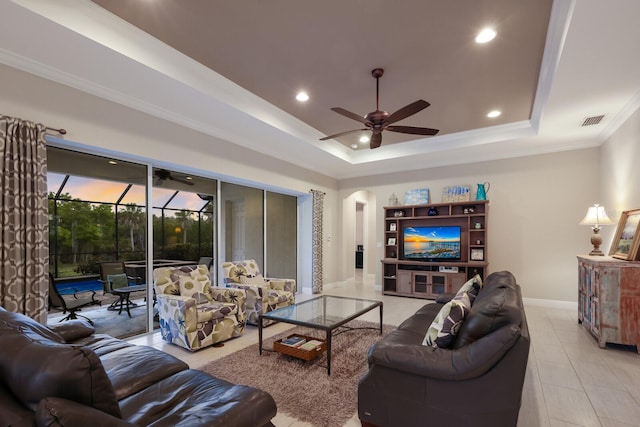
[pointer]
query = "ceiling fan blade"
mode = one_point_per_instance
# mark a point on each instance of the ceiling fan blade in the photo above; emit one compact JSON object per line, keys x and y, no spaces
{"x":351,"y":115}
{"x":413,"y":130}
{"x":180,"y":180}
{"x":341,"y":133}
{"x":376,"y":140}
{"x":407,"y":111}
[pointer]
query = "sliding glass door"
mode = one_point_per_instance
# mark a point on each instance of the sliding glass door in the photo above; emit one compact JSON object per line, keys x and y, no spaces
{"x":282,"y":235}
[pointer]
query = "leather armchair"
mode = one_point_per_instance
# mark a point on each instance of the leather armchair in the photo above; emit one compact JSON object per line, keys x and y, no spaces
{"x":263,"y":294}
{"x":192,"y":313}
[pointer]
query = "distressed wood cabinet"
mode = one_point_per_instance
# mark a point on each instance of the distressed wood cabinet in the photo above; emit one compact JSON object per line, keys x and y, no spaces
{"x":609,"y":299}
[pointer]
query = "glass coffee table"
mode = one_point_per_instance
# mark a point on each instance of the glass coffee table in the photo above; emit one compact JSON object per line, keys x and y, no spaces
{"x":326,"y":313}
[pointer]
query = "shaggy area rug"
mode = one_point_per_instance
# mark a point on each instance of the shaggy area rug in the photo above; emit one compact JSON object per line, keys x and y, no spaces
{"x":303,"y":389}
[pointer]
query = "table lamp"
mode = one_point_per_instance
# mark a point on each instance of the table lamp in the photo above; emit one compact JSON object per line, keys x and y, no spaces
{"x":596,"y":216}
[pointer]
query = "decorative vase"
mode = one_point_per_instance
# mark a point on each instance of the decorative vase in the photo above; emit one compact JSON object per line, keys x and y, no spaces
{"x":483,"y":189}
{"x":393,"y":200}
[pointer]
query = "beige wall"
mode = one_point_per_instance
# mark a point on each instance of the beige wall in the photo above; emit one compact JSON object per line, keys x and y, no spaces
{"x":535,"y":204}
{"x":619,"y":173}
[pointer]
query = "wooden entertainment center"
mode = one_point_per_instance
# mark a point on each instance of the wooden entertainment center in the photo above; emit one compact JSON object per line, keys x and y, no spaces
{"x":430,"y":277}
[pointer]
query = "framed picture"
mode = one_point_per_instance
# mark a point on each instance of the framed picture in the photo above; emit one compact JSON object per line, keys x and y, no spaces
{"x":392,"y":226}
{"x":626,"y":241}
{"x":477,"y":254}
{"x":456,"y":193}
{"x":391,"y":241}
{"x":419,"y":196}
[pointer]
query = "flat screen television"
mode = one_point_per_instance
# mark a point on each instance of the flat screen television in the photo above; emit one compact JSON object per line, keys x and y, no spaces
{"x":426,"y":243}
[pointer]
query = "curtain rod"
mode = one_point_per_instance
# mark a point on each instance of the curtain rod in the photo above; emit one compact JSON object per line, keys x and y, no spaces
{"x":317,"y":191}
{"x":60,"y":131}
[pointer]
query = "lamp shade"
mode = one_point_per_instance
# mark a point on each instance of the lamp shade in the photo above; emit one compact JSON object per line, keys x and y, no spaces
{"x":596,"y":215}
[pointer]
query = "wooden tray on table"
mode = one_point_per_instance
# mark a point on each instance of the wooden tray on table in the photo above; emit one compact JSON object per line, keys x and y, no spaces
{"x":298,"y":352}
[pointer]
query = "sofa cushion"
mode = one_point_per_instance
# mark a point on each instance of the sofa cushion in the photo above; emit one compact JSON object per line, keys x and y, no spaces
{"x":136,"y":367}
{"x":257,"y":280}
{"x":445,"y":326}
{"x":196,"y":288}
{"x":18,"y":320}
{"x":495,"y":306}
{"x":192,"y":397}
{"x":57,"y":412}
{"x":34,"y":367}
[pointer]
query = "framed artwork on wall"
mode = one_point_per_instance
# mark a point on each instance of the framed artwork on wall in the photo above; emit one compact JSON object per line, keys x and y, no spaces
{"x":627,"y":239}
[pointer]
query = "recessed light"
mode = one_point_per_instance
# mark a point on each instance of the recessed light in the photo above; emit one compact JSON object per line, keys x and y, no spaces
{"x":364,"y":139}
{"x":302,"y":96}
{"x":113,"y":162}
{"x":493,"y":114}
{"x":354,"y":146}
{"x":188,"y":178}
{"x":486,"y":35}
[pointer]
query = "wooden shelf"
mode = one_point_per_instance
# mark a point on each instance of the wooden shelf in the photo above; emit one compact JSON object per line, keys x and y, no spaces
{"x":423,"y":279}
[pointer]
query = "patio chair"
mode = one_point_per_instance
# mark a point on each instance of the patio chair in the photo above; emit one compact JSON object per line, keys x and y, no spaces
{"x":206,"y":260}
{"x":114,"y":267}
{"x":194,"y":314}
{"x":263,"y":294}
{"x":71,"y":306}
{"x":113,"y":275}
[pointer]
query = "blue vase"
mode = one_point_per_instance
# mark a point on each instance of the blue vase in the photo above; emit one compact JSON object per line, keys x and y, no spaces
{"x":483,"y":189}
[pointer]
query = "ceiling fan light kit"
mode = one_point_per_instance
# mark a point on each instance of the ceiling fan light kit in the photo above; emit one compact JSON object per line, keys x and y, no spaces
{"x":378,"y":121}
{"x":163,"y":174}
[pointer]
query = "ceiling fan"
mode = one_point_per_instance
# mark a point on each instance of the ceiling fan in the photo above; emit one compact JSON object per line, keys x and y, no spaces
{"x":378,"y":121}
{"x":163,"y":175}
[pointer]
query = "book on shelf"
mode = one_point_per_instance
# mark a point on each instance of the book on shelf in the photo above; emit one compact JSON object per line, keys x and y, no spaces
{"x":311,"y":345}
{"x":294,"y":341}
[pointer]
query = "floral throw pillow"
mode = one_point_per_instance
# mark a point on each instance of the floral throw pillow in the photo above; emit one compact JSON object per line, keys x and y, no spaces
{"x":447,"y":323}
{"x":471,"y":287}
{"x":196,"y":289}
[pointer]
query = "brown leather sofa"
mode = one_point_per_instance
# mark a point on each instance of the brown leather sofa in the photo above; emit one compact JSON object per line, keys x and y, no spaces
{"x":478,"y":382}
{"x":68,"y":376}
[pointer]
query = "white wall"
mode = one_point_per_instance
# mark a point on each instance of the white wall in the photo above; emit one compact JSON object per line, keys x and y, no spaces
{"x":535,"y":204}
{"x":619,"y":174}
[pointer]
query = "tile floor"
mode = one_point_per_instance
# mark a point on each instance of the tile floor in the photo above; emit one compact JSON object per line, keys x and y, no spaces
{"x":570,"y":381}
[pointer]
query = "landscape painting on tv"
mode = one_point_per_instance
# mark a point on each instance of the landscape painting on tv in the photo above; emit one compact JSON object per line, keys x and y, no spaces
{"x":425,"y":243}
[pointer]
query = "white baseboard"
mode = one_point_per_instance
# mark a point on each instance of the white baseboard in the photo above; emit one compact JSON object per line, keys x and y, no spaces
{"x":535,"y":302}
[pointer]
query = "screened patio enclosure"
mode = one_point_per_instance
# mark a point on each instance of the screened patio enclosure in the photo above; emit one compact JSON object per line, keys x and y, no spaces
{"x":101,"y":209}
{"x":98,"y":212}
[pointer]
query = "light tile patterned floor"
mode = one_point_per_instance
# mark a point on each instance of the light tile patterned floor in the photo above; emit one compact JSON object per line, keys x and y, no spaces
{"x":570,"y":381}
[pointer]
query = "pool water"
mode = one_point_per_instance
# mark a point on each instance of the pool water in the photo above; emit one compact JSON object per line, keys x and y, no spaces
{"x":69,"y":288}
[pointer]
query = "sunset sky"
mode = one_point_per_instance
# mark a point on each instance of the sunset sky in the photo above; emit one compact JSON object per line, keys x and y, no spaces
{"x":96,"y":190}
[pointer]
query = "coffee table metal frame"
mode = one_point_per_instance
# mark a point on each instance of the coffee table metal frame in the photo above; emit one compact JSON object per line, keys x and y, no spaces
{"x":326,"y":320}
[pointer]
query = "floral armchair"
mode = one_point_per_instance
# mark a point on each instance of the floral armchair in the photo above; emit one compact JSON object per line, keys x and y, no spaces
{"x":263,"y":294}
{"x":192,"y":313}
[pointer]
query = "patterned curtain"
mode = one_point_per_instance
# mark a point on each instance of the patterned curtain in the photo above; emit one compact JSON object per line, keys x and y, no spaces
{"x":318,"y":210}
{"x":24,"y":239}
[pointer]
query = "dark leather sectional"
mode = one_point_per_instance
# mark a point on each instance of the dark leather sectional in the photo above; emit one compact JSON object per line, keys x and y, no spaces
{"x":476,"y":383}
{"x":68,"y":376}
